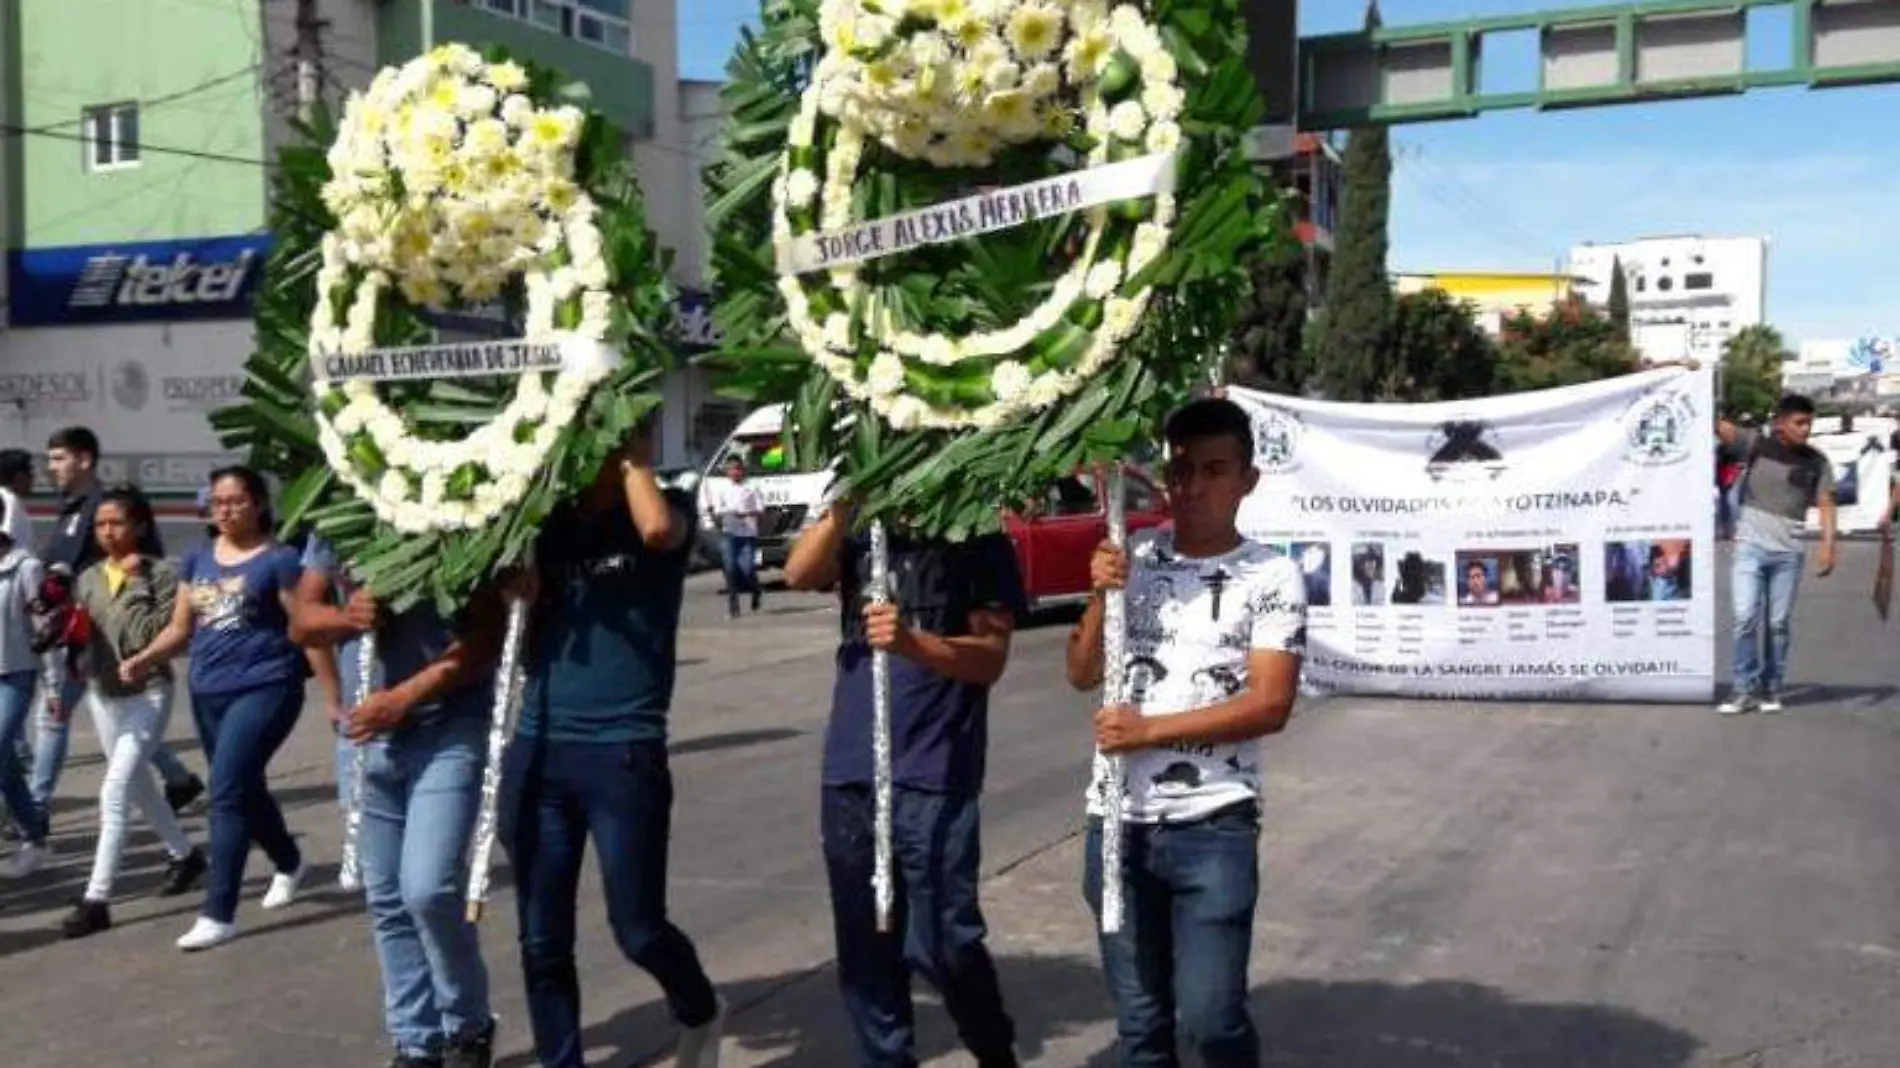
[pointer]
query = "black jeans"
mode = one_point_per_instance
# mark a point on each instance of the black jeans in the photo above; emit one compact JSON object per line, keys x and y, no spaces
{"x":1187,"y":931}
{"x":938,"y":928}
{"x":554,"y":795}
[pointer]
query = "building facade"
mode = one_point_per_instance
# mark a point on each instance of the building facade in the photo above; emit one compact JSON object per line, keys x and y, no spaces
{"x":1688,"y":295}
{"x":1496,"y":295}
{"x":134,"y":189}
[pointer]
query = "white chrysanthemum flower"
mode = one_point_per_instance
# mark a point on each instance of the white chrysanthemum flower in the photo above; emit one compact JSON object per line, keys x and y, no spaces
{"x":1035,"y":30}
{"x":1009,"y":381}
{"x":1127,"y":121}
{"x":1163,"y":101}
{"x":433,"y":486}
{"x":941,"y":351}
{"x":1164,"y":137}
{"x":393,"y":487}
{"x":1044,"y":391}
{"x":1159,"y":67}
{"x":1120,"y":317}
{"x":838,"y":332}
{"x":1150,"y":241}
{"x":906,"y":412}
{"x":800,"y":187}
{"x":799,"y":134}
{"x":1103,"y":278}
{"x":507,"y":77}
{"x":412,"y":519}
{"x":886,"y":376}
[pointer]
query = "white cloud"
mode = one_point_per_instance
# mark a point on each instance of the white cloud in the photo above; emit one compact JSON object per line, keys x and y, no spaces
{"x":1832,"y":221}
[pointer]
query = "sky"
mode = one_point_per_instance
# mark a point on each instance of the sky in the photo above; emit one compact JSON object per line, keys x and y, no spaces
{"x":1817,"y":173}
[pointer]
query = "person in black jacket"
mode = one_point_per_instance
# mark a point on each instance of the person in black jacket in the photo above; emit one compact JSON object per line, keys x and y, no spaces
{"x":72,"y":457}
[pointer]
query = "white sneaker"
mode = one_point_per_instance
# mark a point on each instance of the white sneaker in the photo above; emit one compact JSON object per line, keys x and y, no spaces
{"x":283,"y":888}
{"x":1736,"y":705}
{"x":699,"y":1046}
{"x":26,"y":860}
{"x":1771,"y":703}
{"x":207,"y":933}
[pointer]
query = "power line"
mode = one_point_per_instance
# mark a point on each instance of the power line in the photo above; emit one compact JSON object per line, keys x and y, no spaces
{"x":162,"y":100}
{"x":143,"y":146}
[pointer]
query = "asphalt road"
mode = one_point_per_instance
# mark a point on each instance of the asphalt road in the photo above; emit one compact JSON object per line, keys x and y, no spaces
{"x":1446,"y":885}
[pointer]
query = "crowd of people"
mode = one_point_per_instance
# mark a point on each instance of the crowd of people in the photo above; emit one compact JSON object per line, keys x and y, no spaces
{"x":98,"y":613}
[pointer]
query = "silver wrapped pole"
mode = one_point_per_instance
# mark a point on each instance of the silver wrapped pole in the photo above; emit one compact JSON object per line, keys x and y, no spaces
{"x":508,"y":681}
{"x":350,"y":877}
{"x":883,"y":886}
{"x":1111,"y":769}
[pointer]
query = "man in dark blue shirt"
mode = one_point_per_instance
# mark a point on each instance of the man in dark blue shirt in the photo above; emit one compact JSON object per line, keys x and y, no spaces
{"x":952,"y":611}
{"x":589,"y":756}
{"x":423,"y":734}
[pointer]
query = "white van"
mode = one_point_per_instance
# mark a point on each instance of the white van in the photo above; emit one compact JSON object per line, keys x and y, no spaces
{"x":792,"y":498}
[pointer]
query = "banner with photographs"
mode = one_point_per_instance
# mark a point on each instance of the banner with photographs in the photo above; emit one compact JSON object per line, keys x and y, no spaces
{"x":1542,"y":546}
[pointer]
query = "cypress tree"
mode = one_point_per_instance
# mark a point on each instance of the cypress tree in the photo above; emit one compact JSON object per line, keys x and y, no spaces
{"x":1619,"y":299}
{"x":1359,"y":295}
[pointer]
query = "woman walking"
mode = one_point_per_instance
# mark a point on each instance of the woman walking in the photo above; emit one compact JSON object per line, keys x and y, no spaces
{"x":127,"y":597}
{"x":247,"y":685}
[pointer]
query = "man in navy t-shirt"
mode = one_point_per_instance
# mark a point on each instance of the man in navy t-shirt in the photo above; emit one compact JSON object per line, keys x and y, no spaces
{"x":953,"y":611}
{"x":424,"y":738}
{"x":589,"y":756}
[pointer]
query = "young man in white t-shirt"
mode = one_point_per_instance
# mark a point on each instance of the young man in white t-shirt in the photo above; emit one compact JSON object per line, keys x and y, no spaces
{"x":1216,"y":633}
{"x":737,"y":505}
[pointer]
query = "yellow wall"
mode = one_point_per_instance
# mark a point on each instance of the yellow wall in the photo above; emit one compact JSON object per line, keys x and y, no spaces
{"x":1496,"y":295}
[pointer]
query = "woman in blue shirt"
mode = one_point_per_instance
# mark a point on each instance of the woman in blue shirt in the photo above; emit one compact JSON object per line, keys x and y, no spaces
{"x":247,"y":685}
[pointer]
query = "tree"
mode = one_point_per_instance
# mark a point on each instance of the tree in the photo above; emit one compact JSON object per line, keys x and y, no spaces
{"x":1751,"y":370}
{"x":1436,"y":350}
{"x":1619,"y":299}
{"x":1269,"y":349}
{"x":1359,"y":299}
{"x":1571,"y":344}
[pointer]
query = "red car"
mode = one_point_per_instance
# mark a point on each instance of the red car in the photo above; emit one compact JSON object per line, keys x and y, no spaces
{"x":1053,"y":545}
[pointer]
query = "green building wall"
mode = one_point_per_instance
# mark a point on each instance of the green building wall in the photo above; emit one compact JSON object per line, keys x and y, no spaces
{"x":67,"y":55}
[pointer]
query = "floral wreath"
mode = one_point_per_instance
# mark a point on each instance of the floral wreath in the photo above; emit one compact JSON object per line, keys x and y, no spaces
{"x":454,"y":183}
{"x":984,"y":370}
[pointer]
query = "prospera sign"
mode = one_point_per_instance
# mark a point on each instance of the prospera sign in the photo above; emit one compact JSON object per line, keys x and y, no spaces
{"x":211,"y":278}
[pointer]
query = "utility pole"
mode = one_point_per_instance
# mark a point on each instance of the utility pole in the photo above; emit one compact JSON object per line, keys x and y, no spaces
{"x":309,"y":53}
{"x":428,"y":26}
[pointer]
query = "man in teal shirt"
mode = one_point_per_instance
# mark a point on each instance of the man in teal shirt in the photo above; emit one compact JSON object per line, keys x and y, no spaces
{"x":589,"y":756}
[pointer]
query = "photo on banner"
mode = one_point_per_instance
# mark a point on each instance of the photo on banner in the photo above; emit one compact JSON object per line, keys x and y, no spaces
{"x":1537,"y":546}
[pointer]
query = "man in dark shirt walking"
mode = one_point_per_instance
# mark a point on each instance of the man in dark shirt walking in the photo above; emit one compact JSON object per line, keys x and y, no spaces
{"x":589,"y":756}
{"x":947,"y":628}
{"x":72,"y":457}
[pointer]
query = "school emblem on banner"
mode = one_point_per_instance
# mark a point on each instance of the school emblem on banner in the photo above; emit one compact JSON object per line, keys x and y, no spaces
{"x":1658,"y":428}
{"x":1276,"y":441}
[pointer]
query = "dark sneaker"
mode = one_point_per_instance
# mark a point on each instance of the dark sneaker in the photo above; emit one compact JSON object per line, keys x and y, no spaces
{"x":86,"y":918}
{"x":407,"y":1060}
{"x":181,"y":794}
{"x":182,"y":875}
{"x":473,"y":1050}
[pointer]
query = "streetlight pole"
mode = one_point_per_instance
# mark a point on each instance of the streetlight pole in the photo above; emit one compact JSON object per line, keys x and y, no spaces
{"x":428,"y":25}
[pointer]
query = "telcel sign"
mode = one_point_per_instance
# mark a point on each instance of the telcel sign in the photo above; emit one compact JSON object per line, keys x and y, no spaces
{"x":211,"y":278}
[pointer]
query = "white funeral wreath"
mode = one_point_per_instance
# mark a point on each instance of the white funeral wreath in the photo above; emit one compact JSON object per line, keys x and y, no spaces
{"x":952,"y":82}
{"x":448,"y":182}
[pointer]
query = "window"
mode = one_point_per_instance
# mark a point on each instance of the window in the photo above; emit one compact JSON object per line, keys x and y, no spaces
{"x":1698,"y":280}
{"x":606,"y":24}
{"x":1071,"y":496}
{"x":112,"y":136}
{"x":1665,"y":284}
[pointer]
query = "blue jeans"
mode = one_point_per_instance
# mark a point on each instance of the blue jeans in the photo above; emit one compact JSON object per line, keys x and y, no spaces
{"x":421,"y":792}
{"x":16,"y":706}
{"x":936,"y":850}
{"x":55,"y":735}
{"x":241,"y":731}
{"x":742,"y":570}
{"x":1766,"y":581}
{"x":555,"y":794}
{"x":1187,"y":931}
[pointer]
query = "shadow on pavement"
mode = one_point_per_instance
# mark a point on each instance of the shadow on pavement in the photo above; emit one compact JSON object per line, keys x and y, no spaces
{"x":1448,"y":1024}
{"x":796,"y":1020}
{"x":1830,"y":694}
{"x":734,"y":740}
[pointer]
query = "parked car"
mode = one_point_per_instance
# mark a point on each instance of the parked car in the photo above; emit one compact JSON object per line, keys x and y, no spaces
{"x":1055,"y":541}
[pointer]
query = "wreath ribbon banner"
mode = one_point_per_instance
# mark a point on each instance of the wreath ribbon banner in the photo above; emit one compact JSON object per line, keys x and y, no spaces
{"x":478,"y":359}
{"x":978,"y":214}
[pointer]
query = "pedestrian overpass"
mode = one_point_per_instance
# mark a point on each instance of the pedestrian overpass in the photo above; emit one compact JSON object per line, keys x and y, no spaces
{"x":1584,"y":57}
